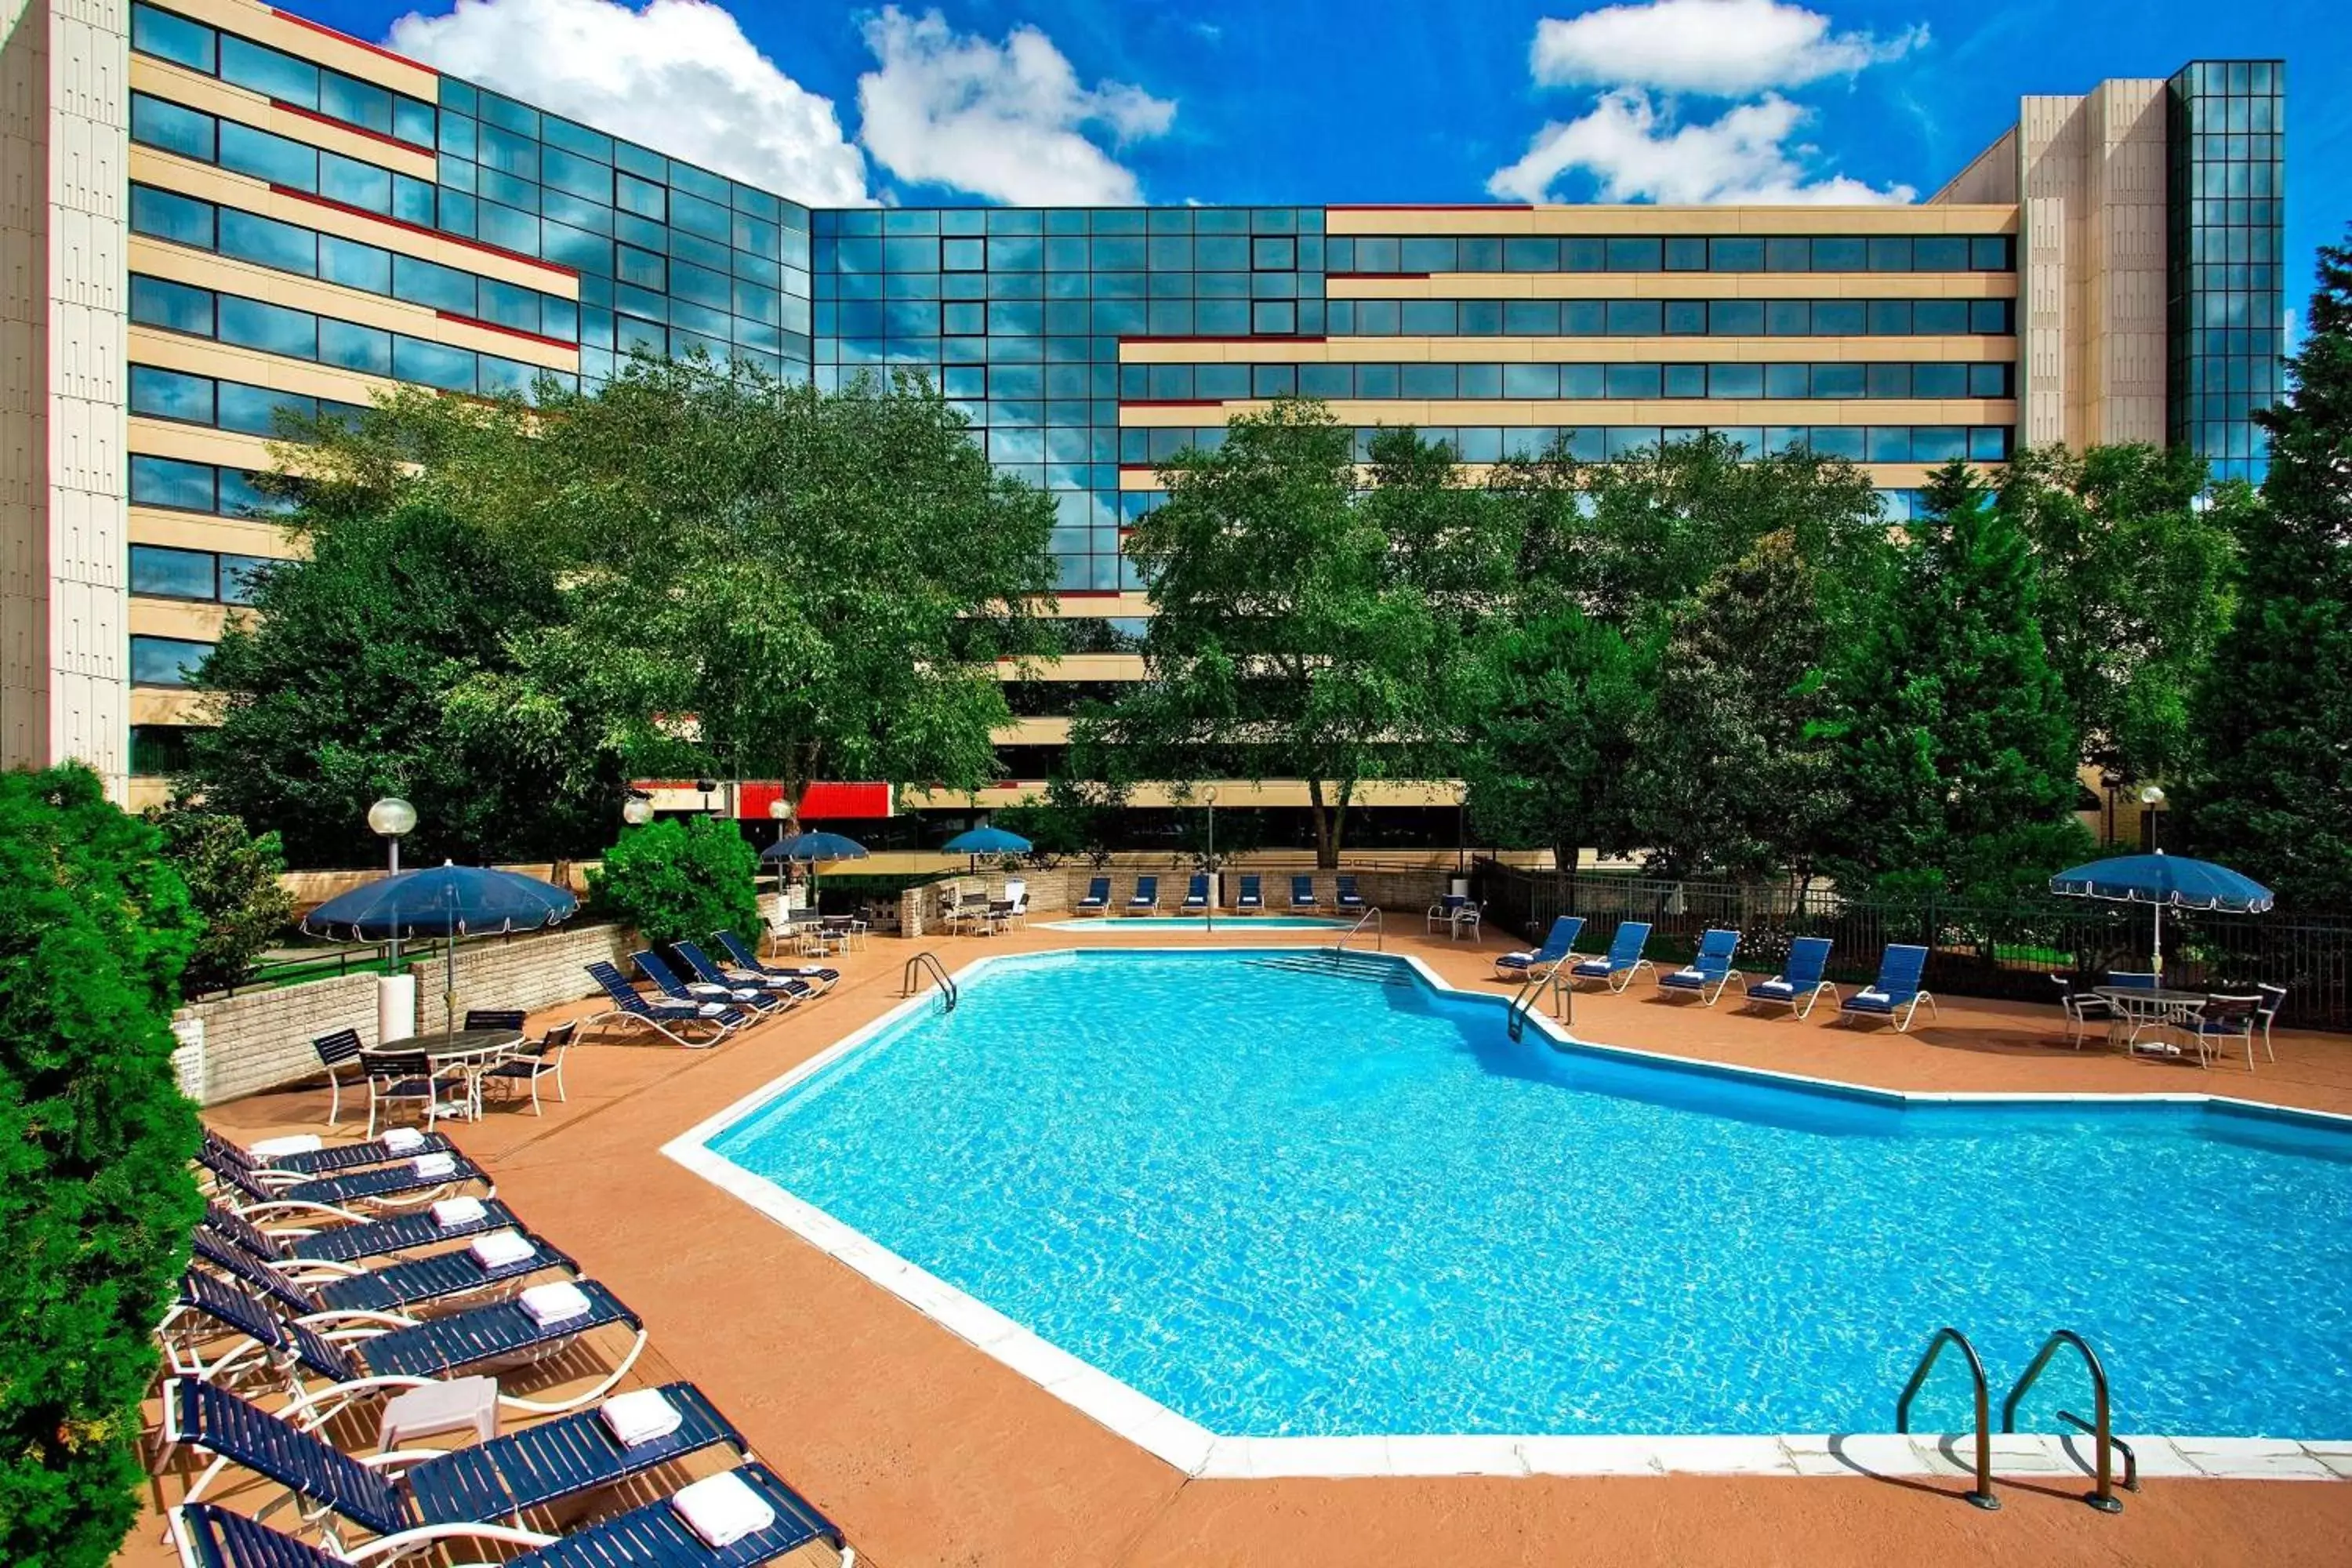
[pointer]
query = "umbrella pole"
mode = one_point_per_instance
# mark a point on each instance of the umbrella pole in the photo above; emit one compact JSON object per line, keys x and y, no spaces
{"x":2157,"y":956}
{"x":449,"y":977}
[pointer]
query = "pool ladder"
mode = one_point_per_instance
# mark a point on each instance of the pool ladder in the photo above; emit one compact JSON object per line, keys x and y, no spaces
{"x":1531,"y":992}
{"x":1370,"y":917}
{"x":2102,"y":1494}
{"x":910,"y":980}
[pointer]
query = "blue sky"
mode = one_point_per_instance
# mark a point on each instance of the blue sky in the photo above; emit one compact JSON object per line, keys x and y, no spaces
{"x":1357,"y":100}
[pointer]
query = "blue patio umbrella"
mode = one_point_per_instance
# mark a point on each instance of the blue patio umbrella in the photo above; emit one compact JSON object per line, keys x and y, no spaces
{"x":979,"y":841}
{"x":2164,"y":881}
{"x":812,"y":847}
{"x":445,"y":900}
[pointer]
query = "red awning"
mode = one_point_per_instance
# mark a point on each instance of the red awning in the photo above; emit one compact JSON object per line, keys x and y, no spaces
{"x":822,"y":802}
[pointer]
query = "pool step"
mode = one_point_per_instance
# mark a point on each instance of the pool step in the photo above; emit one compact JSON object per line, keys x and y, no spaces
{"x":1340,"y":966}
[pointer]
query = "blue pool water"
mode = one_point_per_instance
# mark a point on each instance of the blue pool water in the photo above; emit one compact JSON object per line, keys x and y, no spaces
{"x":1196,"y":922}
{"x":1287,"y":1204}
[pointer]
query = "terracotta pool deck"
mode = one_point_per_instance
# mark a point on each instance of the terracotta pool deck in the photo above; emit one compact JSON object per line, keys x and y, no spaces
{"x":926,"y":1450}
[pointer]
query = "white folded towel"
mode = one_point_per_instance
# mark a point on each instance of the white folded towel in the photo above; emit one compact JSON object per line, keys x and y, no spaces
{"x":722,"y":1509}
{"x":640,"y":1417}
{"x":554,"y":1303}
{"x":456,"y":1214}
{"x":1690,"y":974}
{"x":501,"y":1248}
{"x":435,"y":1167}
{"x":403,"y":1140}
{"x":713,"y":1009}
{"x":705,"y":988}
{"x":1871,"y":993}
{"x":270,"y":1148}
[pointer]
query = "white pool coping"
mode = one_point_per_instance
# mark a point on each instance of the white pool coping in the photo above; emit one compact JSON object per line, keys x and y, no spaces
{"x":1189,"y":1446}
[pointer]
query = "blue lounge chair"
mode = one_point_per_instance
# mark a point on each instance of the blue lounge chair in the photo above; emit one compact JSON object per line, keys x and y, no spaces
{"x":1896,"y":993}
{"x":671,"y":1020}
{"x":752,"y":998}
{"x":1252,"y":897}
{"x":1617,"y":967}
{"x":1196,"y":893}
{"x":1302,"y":895}
{"x":373,"y":1353}
{"x":1708,"y":972}
{"x":817,"y":975}
{"x":1800,"y":983}
{"x":1098,"y":899}
{"x":355,"y":1243}
{"x":788,"y":990}
{"x":653,"y":1535}
{"x":307,"y":1288}
{"x":1350,"y":900}
{"x":568,"y":1456}
{"x":377,"y":1187}
{"x":328,"y":1161}
{"x":1146,"y":901}
{"x":1559,"y":947}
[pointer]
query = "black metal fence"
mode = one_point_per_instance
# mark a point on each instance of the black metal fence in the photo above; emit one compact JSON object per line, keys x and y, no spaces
{"x":1972,"y":950}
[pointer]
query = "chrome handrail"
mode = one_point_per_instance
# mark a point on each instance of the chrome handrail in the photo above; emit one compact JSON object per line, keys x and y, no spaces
{"x":1982,"y":1496}
{"x":1371,"y":917}
{"x":913,"y":970}
{"x":1531,"y":992}
{"x":2103,"y":1497}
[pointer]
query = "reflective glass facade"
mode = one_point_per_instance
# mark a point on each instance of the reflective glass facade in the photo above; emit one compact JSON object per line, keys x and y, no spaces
{"x":2226,"y":145}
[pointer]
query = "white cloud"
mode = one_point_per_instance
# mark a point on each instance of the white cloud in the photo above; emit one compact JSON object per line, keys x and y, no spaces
{"x":1728,"y":47}
{"x":1005,"y":120}
{"x":1634,"y":152}
{"x":677,"y":75}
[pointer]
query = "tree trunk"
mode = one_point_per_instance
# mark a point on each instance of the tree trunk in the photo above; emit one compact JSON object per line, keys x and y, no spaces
{"x":1326,"y":852}
{"x":1340,"y":821}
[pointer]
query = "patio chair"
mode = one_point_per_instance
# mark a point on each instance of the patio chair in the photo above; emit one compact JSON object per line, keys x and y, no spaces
{"x":1196,"y":894}
{"x":368,"y":1238}
{"x":1616,"y":968}
{"x":1707,"y":973}
{"x":395,"y":1078}
{"x":1302,"y":896}
{"x":2224,"y":1020}
{"x":1098,"y":899}
{"x":496,"y":1018}
{"x":357,"y":1355}
{"x":665,"y":981}
{"x":304,"y":1287}
{"x":1441,"y":913}
{"x":1350,"y":900}
{"x":1559,"y":947}
{"x":671,"y":1020}
{"x":816,"y":976}
{"x":430,"y":1173}
{"x":1015,"y":902}
{"x":2273,"y":998}
{"x":424,"y":1492}
{"x":308,"y":1158}
{"x":715,"y":978}
{"x":1252,"y":898}
{"x":2082,"y":1005}
{"x":1897,"y":994}
{"x":336,"y":1051}
{"x":2133,"y":978}
{"x":533,"y":1060}
{"x":656,"y":1534}
{"x":1145,"y":900}
{"x":1799,"y":983}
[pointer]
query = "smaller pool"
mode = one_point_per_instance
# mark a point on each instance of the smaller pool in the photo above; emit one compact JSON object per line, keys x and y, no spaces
{"x":1196,"y":922}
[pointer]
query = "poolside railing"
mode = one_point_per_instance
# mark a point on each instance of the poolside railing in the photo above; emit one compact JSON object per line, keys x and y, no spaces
{"x":1973,"y":950}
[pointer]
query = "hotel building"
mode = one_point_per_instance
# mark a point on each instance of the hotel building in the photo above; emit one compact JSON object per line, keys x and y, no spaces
{"x":214,"y":210}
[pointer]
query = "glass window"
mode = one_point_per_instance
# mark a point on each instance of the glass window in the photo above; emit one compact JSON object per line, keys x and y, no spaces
{"x":1788,"y":255}
{"x":1889,"y":318}
{"x":268,"y":72}
{"x":1533,"y":381}
{"x":1839,"y":255}
{"x":167,"y":481}
{"x":1530,"y":254}
{"x":1735,"y":318}
{"x":173,"y":574}
{"x":1937,"y":443}
{"x":1686,"y":318}
{"x":434,"y":364}
{"x":157,"y":749}
{"x":1939,"y":380}
{"x":158,"y":123}
{"x":1477,"y":255}
{"x":170,"y":394}
{"x":1890,"y":253}
{"x":1939,"y":252}
{"x":354,"y":183}
{"x":412,"y":120}
{"x":1438,"y":381}
{"x":1273,"y":380}
{"x":421,"y":282}
{"x":1939,"y":318}
{"x":267,"y":157}
{"x":1989,"y":253}
{"x":170,"y":37}
{"x":353,"y":265}
{"x":1627,"y":441}
{"x":166,"y":215}
{"x":1838,"y":441}
{"x":1888,"y":443}
{"x":1735,"y":381}
{"x":355,"y":103}
{"x":1423,"y":255}
{"x":265,"y":242}
{"x":1482,"y":381}
{"x":1988,"y":381}
{"x":1631,"y":381}
{"x":1687,"y":254}
{"x":254,"y":409}
{"x":355,"y":347}
{"x":1376,"y":381}
{"x":158,"y":302}
{"x":1789,"y":381}
{"x":1635,"y":256}
{"x":1888,"y":381}
{"x":272,"y":329}
{"x":1634,"y":317}
{"x":1274,"y":253}
{"x":1839,"y":318}
{"x":1989,"y":444}
{"x":165,"y":661}
{"x":1991,"y":316}
{"x":1837,"y":380}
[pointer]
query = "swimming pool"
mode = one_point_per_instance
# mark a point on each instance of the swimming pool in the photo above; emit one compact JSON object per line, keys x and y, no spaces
{"x":1281,"y":1202}
{"x":1196,"y":922}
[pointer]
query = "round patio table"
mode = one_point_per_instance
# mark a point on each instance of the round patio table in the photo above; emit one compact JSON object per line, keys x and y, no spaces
{"x":464,"y":1050}
{"x":2145,"y":1007}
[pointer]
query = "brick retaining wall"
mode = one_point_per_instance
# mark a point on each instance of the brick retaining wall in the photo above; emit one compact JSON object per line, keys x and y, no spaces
{"x":1055,"y":893}
{"x":262,"y":1039}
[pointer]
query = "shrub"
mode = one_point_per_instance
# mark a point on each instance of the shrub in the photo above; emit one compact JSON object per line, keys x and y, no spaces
{"x":674,"y":882}
{"x":232,"y":879}
{"x":96,"y":1200}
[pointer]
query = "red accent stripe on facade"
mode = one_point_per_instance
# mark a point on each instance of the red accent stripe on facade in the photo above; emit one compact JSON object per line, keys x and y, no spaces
{"x":483,"y":245}
{"x":360,"y":42}
{"x":1426,"y":207}
{"x":510,"y":332}
{"x":300,"y":112}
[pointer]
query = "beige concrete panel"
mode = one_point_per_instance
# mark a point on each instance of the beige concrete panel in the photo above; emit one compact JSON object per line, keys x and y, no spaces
{"x":1882,"y":476}
{"x":1989,"y":179}
{"x":1085,"y":665}
{"x":1677,"y":286}
{"x":1074,"y":602}
{"x":1230,"y":793}
{"x":1981,"y":349}
{"x":176,"y":619}
{"x":200,"y":356}
{"x":1995,"y":217}
{"x":314,"y":42}
{"x":202,"y":531}
{"x":1601,"y":414}
{"x":205,"y":270}
{"x":170,"y":705}
{"x":214,"y":96}
{"x":143,"y":793}
{"x":1033,"y":731}
{"x":175,"y":173}
{"x":199,"y":444}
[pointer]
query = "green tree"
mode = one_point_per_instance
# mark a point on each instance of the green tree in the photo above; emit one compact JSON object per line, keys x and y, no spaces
{"x":1731,"y":774}
{"x":673,"y":882}
{"x":96,"y":1200}
{"x":2135,"y":574}
{"x":1075,"y":817}
{"x":232,"y":878}
{"x":357,"y":680}
{"x":2272,"y":793}
{"x":1953,"y":735}
{"x":759,"y":580}
{"x":1299,"y":631}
